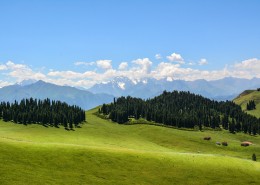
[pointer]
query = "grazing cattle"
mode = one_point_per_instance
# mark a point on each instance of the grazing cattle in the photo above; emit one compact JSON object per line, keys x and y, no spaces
{"x":207,"y":138}
{"x":217,"y":143}
{"x":224,"y":143}
{"x":246,"y":143}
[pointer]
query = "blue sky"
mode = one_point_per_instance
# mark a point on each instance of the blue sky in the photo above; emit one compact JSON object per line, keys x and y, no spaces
{"x":62,"y":41}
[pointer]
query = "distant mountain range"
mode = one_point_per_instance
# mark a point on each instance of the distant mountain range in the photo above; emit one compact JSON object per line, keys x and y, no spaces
{"x":223,"y":89}
{"x":42,"y":90}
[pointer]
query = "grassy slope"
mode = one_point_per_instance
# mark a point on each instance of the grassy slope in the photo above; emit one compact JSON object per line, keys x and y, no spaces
{"x":102,"y":152}
{"x":244,"y":98}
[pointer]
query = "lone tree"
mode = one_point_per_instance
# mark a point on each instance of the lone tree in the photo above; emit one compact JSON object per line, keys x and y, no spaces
{"x":254,"y":157}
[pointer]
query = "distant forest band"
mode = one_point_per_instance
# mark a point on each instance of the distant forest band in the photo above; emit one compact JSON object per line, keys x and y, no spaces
{"x":183,"y":109}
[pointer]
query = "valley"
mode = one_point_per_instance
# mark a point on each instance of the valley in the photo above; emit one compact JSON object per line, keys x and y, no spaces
{"x":129,"y":92}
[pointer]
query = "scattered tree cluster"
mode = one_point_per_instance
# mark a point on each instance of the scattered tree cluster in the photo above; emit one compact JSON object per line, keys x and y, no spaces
{"x":250,"y":105}
{"x":183,"y":109}
{"x":44,"y":112}
{"x":258,"y":89}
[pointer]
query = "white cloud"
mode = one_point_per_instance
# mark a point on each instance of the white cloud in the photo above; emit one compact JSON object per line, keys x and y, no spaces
{"x":65,"y":74}
{"x":3,"y":83}
{"x":85,"y":63}
{"x":144,"y":64}
{"x":3,"y":67}
{"x":22,"y":72}
{"x":123,"y":66}
{"x":158,"y":56}
{"x":250,"y":64}
{"x":140,"y":69}
{"x":164,"y":70}
{"x":175,"y":57}
{"x":247,"y":68}
{"x":191,"y":63}
{"x":104,"y":64}
{"x":203,"y":61}
{"x":11,"y":65}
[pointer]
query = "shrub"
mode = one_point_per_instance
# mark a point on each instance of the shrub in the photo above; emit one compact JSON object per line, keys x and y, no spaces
{"x":254,"y":157}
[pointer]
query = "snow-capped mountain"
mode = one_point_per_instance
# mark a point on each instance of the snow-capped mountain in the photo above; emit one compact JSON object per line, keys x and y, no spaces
{"x":122,"y":86}
{"x":116,"y":87}
{"x":223,"y":89}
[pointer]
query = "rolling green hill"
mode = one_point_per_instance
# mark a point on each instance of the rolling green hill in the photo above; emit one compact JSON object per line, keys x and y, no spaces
{"x":103,"y":152}
{"x":244,"y":98}
{"x":183,"y":110}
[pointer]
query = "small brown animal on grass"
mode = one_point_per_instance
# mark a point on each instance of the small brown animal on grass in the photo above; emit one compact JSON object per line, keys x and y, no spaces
{"x":224,"y":143}
{"x":207,"y":138}
{"x":246,"y":143}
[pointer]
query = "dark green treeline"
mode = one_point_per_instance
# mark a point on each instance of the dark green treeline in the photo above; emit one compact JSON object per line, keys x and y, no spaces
{"x":44,"y":112}
{"x":183,"y":109}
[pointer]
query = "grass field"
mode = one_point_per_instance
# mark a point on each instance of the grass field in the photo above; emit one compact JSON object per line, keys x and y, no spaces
{"x":244,"y":98}
{"x":102,"y":152}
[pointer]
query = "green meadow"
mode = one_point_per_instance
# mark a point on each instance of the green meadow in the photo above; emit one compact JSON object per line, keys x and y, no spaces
{"x":103,"y":152}
{"x":244,"y":98}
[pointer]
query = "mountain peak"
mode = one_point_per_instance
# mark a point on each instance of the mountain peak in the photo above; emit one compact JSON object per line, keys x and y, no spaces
{"x":42,"y":90}
{"x":27,"y":82}
{"x":41,"y":82}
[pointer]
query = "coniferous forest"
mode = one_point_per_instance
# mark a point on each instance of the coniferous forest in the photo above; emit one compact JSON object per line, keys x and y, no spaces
{"x":44,"y":112}
{"x":183,"y":110}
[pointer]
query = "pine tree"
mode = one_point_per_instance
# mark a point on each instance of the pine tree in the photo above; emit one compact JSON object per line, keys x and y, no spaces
{"x":232,"y":126}
{"x":225,"y":121}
